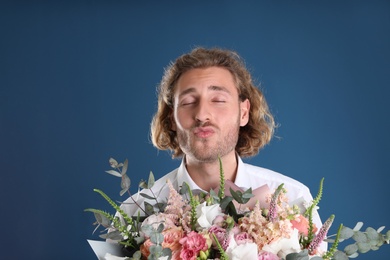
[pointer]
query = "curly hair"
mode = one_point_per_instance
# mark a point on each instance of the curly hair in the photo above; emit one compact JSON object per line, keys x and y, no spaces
{"x":252,"y":137}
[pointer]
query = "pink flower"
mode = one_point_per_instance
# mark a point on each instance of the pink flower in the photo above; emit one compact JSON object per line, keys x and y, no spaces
{"x":221,"y":235}
{"x":267,"y":256}
{"x":194,"y":242}
{"x":242,"y":238}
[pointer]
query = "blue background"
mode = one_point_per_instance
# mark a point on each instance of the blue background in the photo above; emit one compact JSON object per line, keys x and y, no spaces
{"x":78,"y":86}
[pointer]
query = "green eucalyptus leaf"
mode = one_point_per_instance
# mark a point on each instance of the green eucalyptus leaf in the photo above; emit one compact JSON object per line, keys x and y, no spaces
{"x":303,"y":255}
{"x":237,"y":195}
{"x":115,"y":173}
{"x":363,"y":247}
{"x":225,"y":201}
{"x":147,"y":229}
{"x":102,"y":220}
{"x":248,"y":194}
{"x":358,"y":226}
{"x":156,"y":238}
{"x":148,"y":208}
{"x":137,"y":255}
{"x":124,"y":167}
{"x":150,"y":180}
{"x":346,"y":233}
{"x":147,"y":196}
{"x":114,"y":235}
{"x":143,"y":184}
{"x":167,"y":252}
{"x":125,"y":184}
{"x":360,"y":237}
{"x":184,"y":189}
{"x":380,"y":229}
{"x":338,"y":255}
{"x":113,"y":163}
{"x":372,"y":234}
{"x":160,"y":228}
{"x":351,"y":249}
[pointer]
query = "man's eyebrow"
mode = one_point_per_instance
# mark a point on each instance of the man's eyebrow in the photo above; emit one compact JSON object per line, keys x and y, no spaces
{"x":219,"y":88}
{"x":212,"y":87}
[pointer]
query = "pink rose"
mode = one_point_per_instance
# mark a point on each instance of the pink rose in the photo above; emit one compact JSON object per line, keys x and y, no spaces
{"x":187,"y":254}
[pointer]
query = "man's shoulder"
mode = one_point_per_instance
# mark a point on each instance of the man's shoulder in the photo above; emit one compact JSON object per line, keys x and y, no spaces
{"x":272,"y":178}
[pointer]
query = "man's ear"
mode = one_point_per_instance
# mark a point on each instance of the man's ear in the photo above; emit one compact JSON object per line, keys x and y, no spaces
{"x":244,"y":108}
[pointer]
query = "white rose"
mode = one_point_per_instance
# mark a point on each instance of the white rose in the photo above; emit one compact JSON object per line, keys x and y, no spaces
{"x":247,"y":251}
{"x":206,"y":214}
{"x":112,"y":257}
{"x":284,"y":246}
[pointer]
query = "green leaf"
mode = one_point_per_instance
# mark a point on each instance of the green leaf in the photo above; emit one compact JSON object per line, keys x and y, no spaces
{"x":147,"y":196}
{"x":160,"y":228}
{"x":351,"y":249}
{"x":125,"y":184}
{"x":380,"y":229}
{"x":143,"y":184}
{"x":156,"y":238}
{"x":150,"y":180}
{"x":340,"y":256}
{"x":184,"y":189}
{"x":124,"y":167}
{"x":372,"y":234}
{"x":346,"y":233}
{"x":360,"y":237}
{"x":303,"y":255}
{"x":225,"y":201}
{"x":102,"y":220}
{"x":358,"y":226}
{"x":237,"y":195}
{"x":115,"y":173}
{"x":113,"y":163}
{"x":363,"y":247}
{"x":148,"y":208}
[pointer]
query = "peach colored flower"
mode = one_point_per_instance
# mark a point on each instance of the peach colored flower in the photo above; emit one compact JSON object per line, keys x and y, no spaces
{"x":302,"y":225}
{"x":172,"y":237}
{"x":145,"y":248}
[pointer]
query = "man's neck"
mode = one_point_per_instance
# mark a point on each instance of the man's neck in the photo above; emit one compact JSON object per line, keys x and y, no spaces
{"x":207,"y":174}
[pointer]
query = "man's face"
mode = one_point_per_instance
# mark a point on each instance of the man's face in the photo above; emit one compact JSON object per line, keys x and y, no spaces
{"x":208,"y":113}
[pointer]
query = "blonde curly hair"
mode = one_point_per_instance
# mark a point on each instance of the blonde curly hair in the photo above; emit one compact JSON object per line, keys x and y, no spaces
{"x":252,"y":137}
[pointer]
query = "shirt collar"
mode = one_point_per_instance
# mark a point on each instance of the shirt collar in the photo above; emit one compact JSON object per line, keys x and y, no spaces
{"x":241,"y":180}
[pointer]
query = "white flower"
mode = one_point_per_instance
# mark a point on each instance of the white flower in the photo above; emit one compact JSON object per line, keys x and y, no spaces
{"x":206,"y":214}
{"x":247,"y":251}
{"x":108,"y":256}
{"x":284,"y":246}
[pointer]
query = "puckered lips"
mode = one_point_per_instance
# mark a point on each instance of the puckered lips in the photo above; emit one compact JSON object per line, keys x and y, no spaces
{"x":203,"y":132}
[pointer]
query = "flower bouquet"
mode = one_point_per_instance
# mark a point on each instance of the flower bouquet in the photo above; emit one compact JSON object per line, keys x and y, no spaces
{"x":221,"y":224}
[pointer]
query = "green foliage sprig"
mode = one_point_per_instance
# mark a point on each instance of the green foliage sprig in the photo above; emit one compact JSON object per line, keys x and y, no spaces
{"x":194,"y":203}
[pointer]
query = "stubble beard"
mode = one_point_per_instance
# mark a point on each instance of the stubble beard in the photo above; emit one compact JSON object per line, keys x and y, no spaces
{"x":203,"y":150}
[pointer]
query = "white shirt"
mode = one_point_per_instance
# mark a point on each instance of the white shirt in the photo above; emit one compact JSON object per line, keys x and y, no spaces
{"x":248,"y":176}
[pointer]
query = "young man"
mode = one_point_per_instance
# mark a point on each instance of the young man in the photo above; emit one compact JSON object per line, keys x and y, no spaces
{"x":209,"y":108}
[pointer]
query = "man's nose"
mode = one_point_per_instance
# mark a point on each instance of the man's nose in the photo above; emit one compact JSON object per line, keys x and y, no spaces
{"x":202,"y":113}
